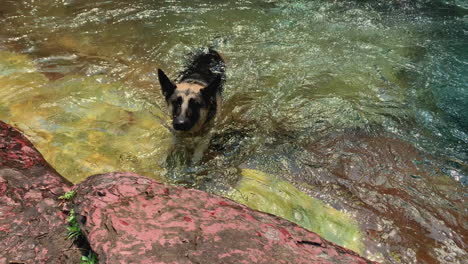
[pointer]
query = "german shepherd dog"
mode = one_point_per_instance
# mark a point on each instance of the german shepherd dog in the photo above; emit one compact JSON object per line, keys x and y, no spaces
{"x":194,"y":98}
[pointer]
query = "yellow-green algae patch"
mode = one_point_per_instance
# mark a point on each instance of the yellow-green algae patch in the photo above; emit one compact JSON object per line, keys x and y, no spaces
{"x":82,"y":125}
{"x":267,"y":193}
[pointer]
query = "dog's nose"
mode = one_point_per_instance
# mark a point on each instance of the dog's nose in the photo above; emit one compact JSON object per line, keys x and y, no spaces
{"x":181,"y":124}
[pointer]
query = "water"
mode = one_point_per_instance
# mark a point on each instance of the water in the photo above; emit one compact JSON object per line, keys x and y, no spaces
{"x":360,"y":104}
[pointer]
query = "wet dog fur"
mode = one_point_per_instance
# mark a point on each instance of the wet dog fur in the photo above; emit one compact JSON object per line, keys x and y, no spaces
{"x":194,"y":98}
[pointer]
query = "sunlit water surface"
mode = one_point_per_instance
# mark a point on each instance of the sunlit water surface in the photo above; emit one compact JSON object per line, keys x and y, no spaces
{"x":360,"y":104}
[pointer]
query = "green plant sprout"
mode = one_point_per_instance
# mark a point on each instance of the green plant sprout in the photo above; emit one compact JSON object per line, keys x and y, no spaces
{"x":68,"y":195}
{"x":90,"y":259}
{"x":73,"y":228}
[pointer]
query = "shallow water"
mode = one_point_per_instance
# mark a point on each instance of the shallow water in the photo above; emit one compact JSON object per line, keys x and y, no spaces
{"x":322,"y":94}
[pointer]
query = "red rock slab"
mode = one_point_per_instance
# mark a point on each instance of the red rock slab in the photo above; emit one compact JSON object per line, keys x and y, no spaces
{"x":132,"y":219}
{"x":32,"y":225}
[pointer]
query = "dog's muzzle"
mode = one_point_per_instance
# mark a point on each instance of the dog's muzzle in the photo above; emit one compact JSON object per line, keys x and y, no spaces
{"x":181,"y":124}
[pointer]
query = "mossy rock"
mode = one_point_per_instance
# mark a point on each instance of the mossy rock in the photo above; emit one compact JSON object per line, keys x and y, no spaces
{"x":267,"y":193}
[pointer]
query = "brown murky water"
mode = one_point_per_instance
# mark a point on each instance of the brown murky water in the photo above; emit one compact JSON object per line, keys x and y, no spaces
{"x":347,"y":117}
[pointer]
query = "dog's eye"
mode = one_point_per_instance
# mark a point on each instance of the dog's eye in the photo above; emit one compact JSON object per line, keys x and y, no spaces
{"x":176,"y":106}
{"x":194,"y":104}
{"x":178,"y":101}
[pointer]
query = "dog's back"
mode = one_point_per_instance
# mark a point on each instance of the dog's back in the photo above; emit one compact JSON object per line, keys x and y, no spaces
{"x":204,"y":68}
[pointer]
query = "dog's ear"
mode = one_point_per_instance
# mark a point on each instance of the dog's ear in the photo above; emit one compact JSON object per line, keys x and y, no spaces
{"x":167,"y":86}
{"x":209,"y":92}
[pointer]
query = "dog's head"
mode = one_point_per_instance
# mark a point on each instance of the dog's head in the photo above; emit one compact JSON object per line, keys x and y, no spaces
{"x":189,"y":103}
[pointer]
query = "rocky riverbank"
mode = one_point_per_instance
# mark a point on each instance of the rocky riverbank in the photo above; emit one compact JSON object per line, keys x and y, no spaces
{"x":127,"y":218}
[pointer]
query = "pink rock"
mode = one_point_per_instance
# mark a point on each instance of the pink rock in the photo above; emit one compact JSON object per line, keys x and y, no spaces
{"x":32,"y":227}
{"x":128,"y":218}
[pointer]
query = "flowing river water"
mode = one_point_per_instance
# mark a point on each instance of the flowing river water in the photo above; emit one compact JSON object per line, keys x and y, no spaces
{"x":349,"y":118}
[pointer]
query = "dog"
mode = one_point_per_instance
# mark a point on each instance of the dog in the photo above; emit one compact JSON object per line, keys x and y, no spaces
{"x":194,"y":99}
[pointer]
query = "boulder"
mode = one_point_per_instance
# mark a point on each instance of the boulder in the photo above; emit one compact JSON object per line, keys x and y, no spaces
{"x":128,"y":218}
{"x":32,"y":224}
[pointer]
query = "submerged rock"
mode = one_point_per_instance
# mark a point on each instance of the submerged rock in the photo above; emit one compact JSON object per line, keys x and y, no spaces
{"x":83,"y":125}
{"x":267,"y":193}
{"x":32,"y":225}
{"x":132,"y":219}
{"x":397,"y":194}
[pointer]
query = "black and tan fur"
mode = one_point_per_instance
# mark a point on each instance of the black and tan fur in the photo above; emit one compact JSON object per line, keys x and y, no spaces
{"x":193,"y":100}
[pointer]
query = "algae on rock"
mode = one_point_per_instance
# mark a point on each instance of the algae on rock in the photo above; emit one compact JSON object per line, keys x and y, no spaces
{"x":82,"y":125}
{"x":267,"y":193}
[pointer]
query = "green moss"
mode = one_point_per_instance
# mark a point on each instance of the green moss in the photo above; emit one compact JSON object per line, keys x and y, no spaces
{"x":267,"y":193}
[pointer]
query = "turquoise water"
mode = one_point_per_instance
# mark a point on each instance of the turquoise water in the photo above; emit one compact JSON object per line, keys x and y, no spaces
{"x":315,"y":91}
